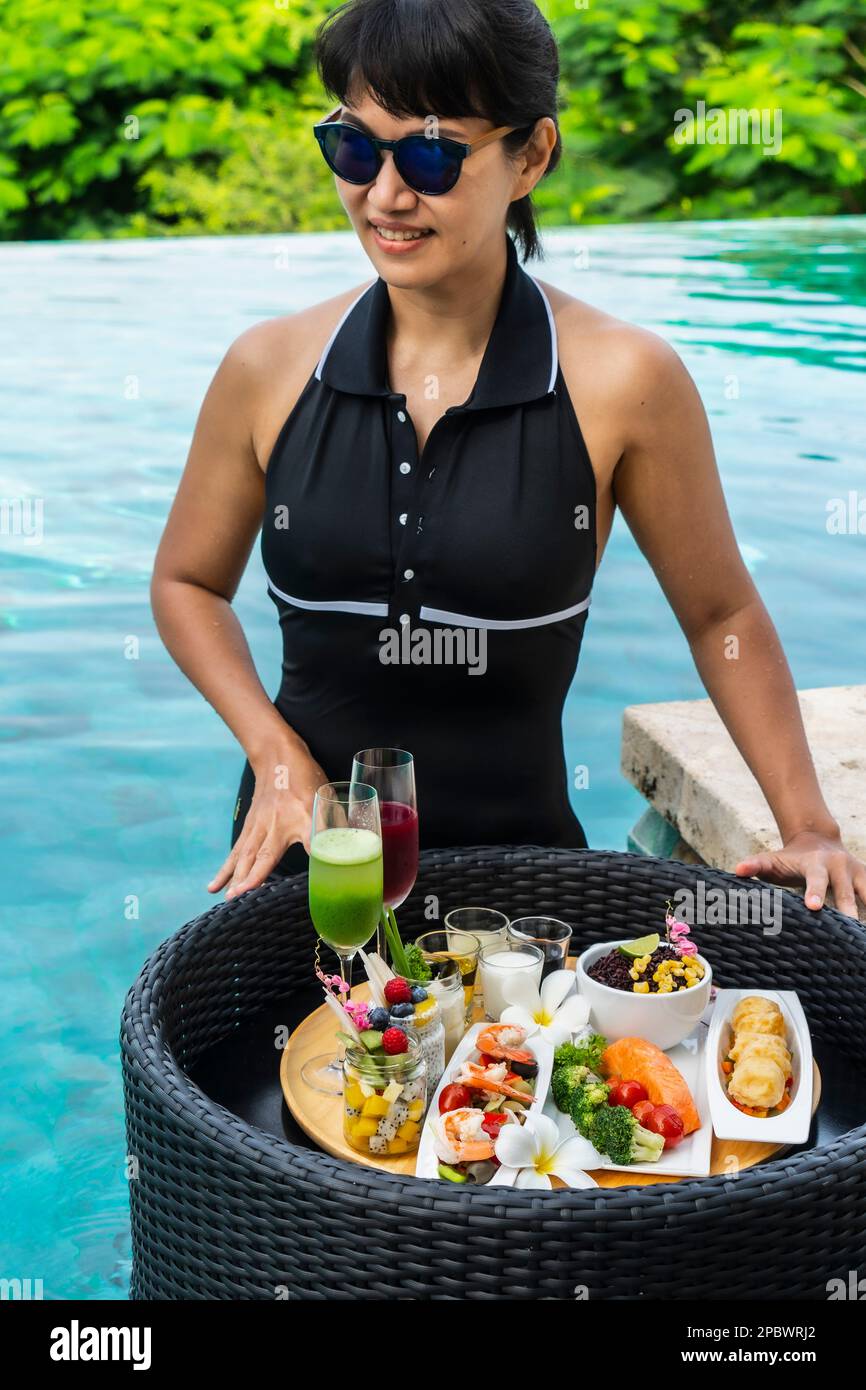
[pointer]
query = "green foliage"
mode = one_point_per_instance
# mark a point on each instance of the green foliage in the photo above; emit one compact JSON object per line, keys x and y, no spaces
{"x":193,"y":116}
{"x":629,"y":68}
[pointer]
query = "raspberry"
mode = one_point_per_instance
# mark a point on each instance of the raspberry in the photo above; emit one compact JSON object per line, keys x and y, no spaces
{"x":397,"y":991}
{"x":394,"y":1041}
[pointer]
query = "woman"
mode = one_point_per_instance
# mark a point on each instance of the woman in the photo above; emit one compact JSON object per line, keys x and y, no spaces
{"x":440,"y":453}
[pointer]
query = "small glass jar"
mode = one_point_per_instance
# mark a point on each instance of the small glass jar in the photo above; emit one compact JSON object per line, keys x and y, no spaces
{"x":426,"y":1026}
{"x":440,"y":947}
{"x":447,"y":990}
{"x":384,"y":1100}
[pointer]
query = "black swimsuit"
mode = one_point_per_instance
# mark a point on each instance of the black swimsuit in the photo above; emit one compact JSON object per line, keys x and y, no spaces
{"x":486,"y":541}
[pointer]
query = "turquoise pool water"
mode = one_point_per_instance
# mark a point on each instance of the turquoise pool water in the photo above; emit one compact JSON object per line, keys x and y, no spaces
{"x":119,"y":780}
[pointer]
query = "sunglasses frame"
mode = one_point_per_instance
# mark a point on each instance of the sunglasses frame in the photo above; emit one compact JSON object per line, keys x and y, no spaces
{"x":460,"y":148}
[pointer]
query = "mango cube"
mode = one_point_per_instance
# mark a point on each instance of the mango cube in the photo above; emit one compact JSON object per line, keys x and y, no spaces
{"x":376,"y":1105}
{"x":408,"y":1130}
{"x":364,"y":1128}
{"x":398,"y":1146}
{"x":354,"y":1096}
{"x":416,"y":1109}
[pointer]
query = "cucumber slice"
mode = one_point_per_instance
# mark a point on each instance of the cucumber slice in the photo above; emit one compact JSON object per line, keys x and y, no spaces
{"x":371,"y":1038}
{"x":644,"y":946}
{"x":450,"y":1174}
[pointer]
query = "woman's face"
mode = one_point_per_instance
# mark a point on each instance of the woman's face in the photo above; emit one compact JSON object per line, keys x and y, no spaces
{"x":458,"y":228}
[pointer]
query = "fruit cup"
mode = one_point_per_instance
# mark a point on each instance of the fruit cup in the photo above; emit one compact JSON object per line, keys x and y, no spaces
{"x":384,"y":1100}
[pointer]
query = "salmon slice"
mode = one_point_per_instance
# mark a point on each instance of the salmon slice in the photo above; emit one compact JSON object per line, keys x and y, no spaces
{"x":635,"y":1059}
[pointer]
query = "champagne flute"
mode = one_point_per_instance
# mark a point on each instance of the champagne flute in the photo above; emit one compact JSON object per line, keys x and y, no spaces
{"x":392,"y":772}
{"x":345,"y":888}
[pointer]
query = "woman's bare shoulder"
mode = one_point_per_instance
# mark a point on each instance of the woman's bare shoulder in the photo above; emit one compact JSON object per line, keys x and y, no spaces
{"x":626,"y":360}
{"x":622,"y":380}
{"x":270,"y":363}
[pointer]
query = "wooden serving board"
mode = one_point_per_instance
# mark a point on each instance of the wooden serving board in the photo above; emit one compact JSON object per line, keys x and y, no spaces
{"x":321,"y":1116}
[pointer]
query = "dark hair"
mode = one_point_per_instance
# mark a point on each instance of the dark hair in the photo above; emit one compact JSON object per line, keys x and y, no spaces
{"x":491,"y":58}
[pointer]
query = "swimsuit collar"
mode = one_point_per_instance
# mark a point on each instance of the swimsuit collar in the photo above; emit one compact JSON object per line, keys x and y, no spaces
{"x":520,"y":361}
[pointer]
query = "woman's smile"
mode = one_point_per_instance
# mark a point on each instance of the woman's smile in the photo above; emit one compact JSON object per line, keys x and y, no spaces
{"x":396,"y":238}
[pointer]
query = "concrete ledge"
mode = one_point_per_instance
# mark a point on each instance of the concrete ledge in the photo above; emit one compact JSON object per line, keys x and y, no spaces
{"x":683,"y":761}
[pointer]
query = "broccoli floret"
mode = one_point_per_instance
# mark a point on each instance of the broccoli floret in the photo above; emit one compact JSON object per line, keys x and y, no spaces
{"x":589,"y":1051}
{"x":566,"y":1055}
{"x":617,"y":1133}
{"x":565,"y":1082}
{"x":586,"y":1102}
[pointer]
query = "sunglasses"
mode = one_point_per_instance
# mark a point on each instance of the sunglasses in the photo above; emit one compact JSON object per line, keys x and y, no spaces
{"x":428,"y":164}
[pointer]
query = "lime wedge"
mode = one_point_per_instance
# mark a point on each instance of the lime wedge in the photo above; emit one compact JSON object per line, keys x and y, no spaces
{"x":644,"y":946}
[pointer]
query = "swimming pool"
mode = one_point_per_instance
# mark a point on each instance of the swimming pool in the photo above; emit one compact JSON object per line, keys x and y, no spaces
{"x":119,"y":780}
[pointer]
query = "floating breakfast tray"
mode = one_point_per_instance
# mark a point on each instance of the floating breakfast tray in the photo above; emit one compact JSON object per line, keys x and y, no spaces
{"x":321,"y":1116}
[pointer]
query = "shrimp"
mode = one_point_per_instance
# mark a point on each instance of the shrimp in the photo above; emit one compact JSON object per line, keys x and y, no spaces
{"x":504,"y":1040}
{"x":461,"y":1137}
{"x":492,"y":1078}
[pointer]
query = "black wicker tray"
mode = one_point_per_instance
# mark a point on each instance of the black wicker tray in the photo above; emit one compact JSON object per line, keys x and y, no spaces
{"x":231,"y":1202}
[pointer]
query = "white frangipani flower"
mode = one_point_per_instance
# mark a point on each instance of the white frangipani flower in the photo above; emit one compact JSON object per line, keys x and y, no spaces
{"x":538,"y":1150}
{"x":555,"y":1011}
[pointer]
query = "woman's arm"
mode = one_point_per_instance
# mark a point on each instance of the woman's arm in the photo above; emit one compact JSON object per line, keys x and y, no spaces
{"x":668,"y":487}
{"x":204,"y":550}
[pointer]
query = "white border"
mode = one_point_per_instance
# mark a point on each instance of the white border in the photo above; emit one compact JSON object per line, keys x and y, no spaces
{"x":554,"y":345}
{"x":441,"y":615}
{"x":330,"y":343}
{"x":371,"y":610}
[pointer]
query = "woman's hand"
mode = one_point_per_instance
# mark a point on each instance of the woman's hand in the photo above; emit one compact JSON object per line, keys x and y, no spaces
{"x":280,"y":815}
{"x":819,"y":861}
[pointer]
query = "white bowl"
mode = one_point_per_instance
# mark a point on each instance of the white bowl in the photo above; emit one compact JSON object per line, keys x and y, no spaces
{"x":793,"y":1125}
{"x":663,"y":1019}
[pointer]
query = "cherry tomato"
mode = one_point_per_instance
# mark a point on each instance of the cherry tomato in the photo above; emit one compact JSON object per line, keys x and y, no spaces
{"x":643,"y":1109}
{"x":492,"y":1123}
{"x":627,"y":1093}
{"x":454,"y":1098}
{"x":665,"y":1121}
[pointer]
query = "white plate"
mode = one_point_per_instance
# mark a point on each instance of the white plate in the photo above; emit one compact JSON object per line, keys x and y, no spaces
{"x":793,"y":1125}
{"x":692,"y":1157}
{"x":426,"y":1163}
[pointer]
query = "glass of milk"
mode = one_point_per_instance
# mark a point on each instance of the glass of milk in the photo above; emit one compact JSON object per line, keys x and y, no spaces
{"x":500,"y":962}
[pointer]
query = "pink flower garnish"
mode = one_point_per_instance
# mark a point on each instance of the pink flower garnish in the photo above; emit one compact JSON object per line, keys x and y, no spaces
{"x":678,"y":936}
{"x":333,"y":982}
{"x":359,"y":1014}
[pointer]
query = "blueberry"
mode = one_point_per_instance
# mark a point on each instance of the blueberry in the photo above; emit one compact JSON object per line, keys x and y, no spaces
{"x":379,"y":1019}
{"x":402,"y":1010}
{"x":419,"y":994}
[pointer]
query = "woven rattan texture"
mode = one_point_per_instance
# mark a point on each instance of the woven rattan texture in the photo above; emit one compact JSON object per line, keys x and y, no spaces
{"x":222,"y":1210}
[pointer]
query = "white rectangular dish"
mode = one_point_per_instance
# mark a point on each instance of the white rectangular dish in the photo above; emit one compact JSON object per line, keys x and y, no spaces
{"x":691,"y":1158}
{"x":426,"y":1163}
{"x":792,"y":1126}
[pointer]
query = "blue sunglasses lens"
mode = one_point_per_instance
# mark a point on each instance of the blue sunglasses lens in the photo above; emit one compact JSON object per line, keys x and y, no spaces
{"x":351,"y":155}
{"x":428,"y":166}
